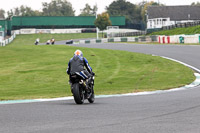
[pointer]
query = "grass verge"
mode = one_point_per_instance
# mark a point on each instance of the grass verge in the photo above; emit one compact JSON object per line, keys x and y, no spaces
{"x":178,"y":31}
{"x":28,"y":71}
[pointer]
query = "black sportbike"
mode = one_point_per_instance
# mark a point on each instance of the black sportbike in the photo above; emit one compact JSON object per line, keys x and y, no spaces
{"x":82,"y":89}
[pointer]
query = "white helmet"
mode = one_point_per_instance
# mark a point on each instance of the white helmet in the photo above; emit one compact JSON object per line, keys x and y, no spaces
{"x":78,"y":53}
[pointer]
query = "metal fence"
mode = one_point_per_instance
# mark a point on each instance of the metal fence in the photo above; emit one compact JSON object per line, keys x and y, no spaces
{"x":126,"y":34}
{"x":181,"y":25}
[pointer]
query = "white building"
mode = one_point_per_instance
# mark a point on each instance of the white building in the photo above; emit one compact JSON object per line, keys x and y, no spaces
{"x":159,"y":16}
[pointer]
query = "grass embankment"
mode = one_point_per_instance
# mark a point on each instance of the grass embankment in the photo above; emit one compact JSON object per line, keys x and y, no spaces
{"x":178,"y":31}
{"x":28,"y":71}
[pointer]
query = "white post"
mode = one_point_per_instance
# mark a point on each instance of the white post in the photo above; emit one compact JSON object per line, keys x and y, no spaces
{"x":97,"y":30}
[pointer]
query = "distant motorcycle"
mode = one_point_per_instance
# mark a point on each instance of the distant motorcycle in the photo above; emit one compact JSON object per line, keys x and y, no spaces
{"x":82,"y":90}
{"x":69,"y":41}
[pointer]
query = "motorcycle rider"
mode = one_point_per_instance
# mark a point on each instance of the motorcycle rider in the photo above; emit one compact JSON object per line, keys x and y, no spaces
{"x":77,"y":65}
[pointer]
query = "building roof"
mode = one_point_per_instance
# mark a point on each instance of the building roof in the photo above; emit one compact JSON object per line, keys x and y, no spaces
{"x":175,"y":13}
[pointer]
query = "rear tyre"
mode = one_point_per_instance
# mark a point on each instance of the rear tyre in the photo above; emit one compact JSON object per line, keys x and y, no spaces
{"x":78,"y":94}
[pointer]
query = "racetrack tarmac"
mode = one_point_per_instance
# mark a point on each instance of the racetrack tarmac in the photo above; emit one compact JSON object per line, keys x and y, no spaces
{"x":171,"y":112}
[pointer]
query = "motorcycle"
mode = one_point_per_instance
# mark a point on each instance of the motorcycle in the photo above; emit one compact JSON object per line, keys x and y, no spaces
{"x":82,"y":89}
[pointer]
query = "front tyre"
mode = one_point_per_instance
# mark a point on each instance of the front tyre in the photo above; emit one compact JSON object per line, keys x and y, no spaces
{"x":91,"y":98}
{"x":78,"y":94}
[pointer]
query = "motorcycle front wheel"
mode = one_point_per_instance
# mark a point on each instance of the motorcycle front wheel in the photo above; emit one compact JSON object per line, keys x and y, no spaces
{"x":91,"y":98}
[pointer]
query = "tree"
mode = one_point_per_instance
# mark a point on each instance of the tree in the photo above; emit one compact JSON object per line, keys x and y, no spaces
{"x":88,"y":11}
{"x":2,"y":12}
{"x":10,"y":14}
{"x":23,"y":11}
{"x":17,"y":11}
{"x":124,"y":8}
{"x":102,"y":21}
{"x":58,"y":8}
{"x":94,"y":10}
{"x":145,"y":6}
{"x":195,"y":4}
{"x":27,"y":11}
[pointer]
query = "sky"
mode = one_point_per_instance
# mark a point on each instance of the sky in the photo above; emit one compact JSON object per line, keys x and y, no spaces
{"x":80,"y":4}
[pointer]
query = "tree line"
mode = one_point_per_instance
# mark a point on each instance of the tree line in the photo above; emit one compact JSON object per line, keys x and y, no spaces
{"x":134,"y":13}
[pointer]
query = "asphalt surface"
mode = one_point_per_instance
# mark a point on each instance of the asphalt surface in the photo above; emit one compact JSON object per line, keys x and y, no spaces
{"x":171,"y":112}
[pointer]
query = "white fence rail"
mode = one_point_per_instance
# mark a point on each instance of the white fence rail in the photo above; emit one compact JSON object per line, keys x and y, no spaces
{"x":47,"y":31}
{"x":7,"y":41}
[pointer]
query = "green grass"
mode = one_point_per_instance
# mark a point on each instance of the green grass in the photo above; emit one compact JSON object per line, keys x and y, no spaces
{"x":30,"y":39}
{"x":28,"y":71}
{"x":178,"y":31}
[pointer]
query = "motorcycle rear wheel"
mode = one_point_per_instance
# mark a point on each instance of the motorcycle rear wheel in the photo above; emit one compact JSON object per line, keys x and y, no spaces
{"x":78,"y":94}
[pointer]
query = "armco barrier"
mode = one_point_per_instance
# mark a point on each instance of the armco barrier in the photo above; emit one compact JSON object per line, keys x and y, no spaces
{"x":179,"y":39}
{"x":168,"y":39}
{"x":131,"y":39}
{"x":104,"y":40}
{"x":124,"y":39}
{"x":87,"y":41}
{"x":199,"y":38}
{"x":148,"y":39}
{"x":161,"y":39}
{"x":174,"y":39}
{"x":117,"y":39}
{"x":98,"y":41}
{"x":142,"y":39}
{"x":111,"y":40}
{"x":136,"y":39}
{"x":92,"y":41}
{"x":154,"y":38}
{"x":191,"y":39}
{"x":82,"y":41}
